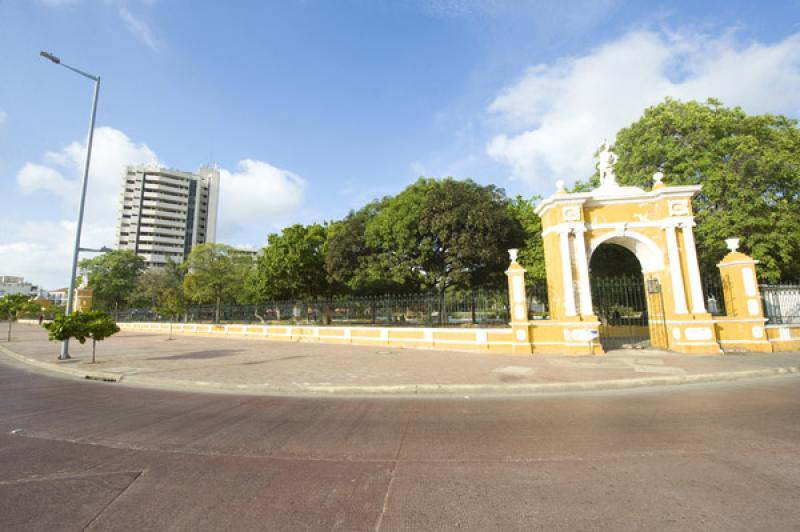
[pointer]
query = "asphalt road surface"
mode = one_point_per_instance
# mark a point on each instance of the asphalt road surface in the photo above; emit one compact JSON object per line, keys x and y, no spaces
{"x":101,"y":456}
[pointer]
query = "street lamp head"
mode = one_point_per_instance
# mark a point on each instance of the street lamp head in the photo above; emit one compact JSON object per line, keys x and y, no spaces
{"x":51,"y":57}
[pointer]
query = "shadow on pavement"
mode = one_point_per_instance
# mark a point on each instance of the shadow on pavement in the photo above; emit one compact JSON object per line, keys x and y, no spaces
{"x":199,"y":355}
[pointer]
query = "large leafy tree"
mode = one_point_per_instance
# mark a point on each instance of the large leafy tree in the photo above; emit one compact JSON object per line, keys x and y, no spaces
{"x":446,"y":232}
{"x":112,"y":277}
{"x":216,"y":274}
{"x":749,"y":166}
{"x":356,"y":266}
{"x":292,"y":265}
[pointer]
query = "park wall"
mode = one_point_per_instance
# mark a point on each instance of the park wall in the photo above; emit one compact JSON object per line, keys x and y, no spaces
{"x":480,"y":340}
{"x":546,"y":337}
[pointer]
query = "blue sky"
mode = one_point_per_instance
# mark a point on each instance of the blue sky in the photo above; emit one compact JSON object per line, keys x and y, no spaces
{"x":312,"y":107}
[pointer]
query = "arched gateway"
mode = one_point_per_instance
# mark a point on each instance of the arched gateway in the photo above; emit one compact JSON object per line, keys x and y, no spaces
{"x":657,"y":227}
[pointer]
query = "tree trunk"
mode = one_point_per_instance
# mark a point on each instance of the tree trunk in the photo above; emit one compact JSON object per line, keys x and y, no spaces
{"x":216,"y":312}
{"x":94,"y":345}
{"x":441,"y":306}
{"x":10,"y":321}
{"x":472,"y":304}
{"x":171,"y":319}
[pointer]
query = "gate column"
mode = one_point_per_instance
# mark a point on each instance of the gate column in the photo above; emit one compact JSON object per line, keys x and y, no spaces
{"x":743,"y":327}
{"x":582,"y":264}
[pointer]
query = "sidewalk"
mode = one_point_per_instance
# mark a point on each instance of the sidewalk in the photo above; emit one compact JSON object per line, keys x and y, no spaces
{"x":263,"y":366}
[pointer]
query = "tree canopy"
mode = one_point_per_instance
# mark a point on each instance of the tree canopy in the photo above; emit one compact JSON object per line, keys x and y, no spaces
{"x":438,"y":233}
{"x":161,"y":289}
{"x":748,"y":165}
{"x":216,"y":274}
{"x":113,"y":276}
{"x":292,"y":265}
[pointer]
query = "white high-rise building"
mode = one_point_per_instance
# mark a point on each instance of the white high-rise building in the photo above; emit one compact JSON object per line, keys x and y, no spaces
{"x":164,"y":213}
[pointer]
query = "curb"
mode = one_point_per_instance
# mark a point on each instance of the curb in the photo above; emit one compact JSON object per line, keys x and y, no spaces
{"x":425,"y":390}
{"x":75,"y":372}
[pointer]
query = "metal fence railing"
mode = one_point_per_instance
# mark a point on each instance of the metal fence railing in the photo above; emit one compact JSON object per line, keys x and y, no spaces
{"x":480,"y":307}
{"x":714,"y":295}
{"x":781,"y":303}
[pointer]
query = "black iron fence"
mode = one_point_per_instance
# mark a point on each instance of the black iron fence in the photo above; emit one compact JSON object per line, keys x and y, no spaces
{"x":714,"y":295}
{"x":538,"y":302}
{"x":480,"y":307}
{"x":781,"y":303}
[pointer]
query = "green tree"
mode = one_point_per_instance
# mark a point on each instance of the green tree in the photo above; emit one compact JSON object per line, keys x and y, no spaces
{"x":446,"y":232}
{"x":161,"y":289}
{"x":292,"y":265}
{"x":12,"y":306}
{"x":112,"y":277}
{"x":531,"y":254}
{"x":356,"y":267}
{"x":748,"y":165}
{"x":94,"y":324}
{"x":215,"y":274}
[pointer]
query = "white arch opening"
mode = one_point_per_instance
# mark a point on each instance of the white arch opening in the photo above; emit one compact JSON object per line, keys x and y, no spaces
{"x":650,"y":256}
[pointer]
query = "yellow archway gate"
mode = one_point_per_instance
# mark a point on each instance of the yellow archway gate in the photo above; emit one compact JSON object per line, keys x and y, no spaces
{"x":657,"y":226}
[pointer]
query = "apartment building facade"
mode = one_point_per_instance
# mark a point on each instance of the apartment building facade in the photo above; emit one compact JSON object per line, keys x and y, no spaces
{"x":164,"y":212}
{"x":11,"y":285}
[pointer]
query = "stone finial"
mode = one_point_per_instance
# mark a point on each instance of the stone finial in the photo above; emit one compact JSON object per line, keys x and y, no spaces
{"x":658,"y":178}
{"x":560,"y":186}
{"x":512,"y":253}
{"x":732,"y":243}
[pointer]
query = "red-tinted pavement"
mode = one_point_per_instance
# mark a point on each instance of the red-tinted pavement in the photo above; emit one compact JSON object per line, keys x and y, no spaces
{"x":263,"y":366}
{"x":76,"y":455}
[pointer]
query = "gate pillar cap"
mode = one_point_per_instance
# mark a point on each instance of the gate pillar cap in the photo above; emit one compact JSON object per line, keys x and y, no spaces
{"x":737,"y":257}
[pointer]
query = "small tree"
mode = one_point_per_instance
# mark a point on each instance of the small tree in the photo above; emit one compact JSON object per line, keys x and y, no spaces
{"x":100,"y":326}
{"x":95,"y":324}
{"x":12,"y":305}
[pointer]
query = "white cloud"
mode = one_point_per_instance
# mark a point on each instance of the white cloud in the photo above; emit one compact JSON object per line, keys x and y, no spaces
{"x":3,"y":118}
{"x":138,"y":27}
{"x":258,"y":196}
{"x":34,"y":177}
{"x":41,"y":251}
{"x":135,"y":24}
{"x":112,"y":151}
{"x":255,"y":198}
{"x":557,"y":114}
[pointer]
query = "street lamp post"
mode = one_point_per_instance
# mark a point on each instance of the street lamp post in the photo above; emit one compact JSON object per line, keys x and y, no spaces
{"x":70,"y":291}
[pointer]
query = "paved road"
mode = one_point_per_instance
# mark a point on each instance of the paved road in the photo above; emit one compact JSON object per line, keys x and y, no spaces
{"x":77,"y":455}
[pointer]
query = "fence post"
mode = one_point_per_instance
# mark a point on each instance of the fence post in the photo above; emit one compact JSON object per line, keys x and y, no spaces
{"x":520,"y":329}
